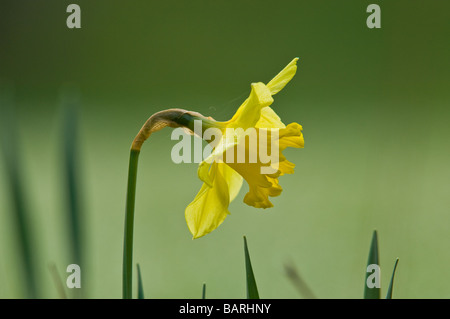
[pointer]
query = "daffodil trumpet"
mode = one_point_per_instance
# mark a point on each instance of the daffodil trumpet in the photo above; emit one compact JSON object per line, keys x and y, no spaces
{"x":239,"y":150}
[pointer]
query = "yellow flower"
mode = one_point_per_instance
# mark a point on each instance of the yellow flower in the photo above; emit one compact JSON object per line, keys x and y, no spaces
{"x":223,"y":175}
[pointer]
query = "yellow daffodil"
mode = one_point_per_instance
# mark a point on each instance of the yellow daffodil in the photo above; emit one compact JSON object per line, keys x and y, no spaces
{"x":221,"y":173}
{"x":223,"y":179}
{"x":231,"y":161}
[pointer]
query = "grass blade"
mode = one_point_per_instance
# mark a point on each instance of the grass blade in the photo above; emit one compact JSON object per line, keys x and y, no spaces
{"x":19,"y":212}
{"x":70,"y":102}
{"x":372,"y":271}
{"x":391,"y":284}
{"x":140,"y":285}
{"x":204,"y":291}
{"x":298,"y":282}
{"x":57,"y":280}
{"x":252,"y":289}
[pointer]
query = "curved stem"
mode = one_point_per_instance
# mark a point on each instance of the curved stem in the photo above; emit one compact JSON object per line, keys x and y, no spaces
{"x":127,"y":273}
{"x":172,"y":118}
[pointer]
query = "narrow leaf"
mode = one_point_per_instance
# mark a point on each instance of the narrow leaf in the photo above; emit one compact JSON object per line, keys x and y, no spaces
{"x":298,"y":282}
{"x":140,"y":285}
{"x":252,"y":289}
{"x":391,"y":284}
{"x":57,"y":281}
{"x":204,"y":291}
{"x":372,"y":282}
{"x":70,"y":104}
{"x":20,"y":212}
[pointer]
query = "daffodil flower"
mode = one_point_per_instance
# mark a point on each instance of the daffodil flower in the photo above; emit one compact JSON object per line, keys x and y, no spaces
{"x":223,"y":175}
{"x":223,"y":179}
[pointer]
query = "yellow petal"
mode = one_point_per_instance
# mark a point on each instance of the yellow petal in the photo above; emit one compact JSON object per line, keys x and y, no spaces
{"x":291,"y":136}
{"x":234,"y":180}
{"x":210,"y":207}
{"x":283,"y":78}
{"x":260,"y":185}
{"x":263,"y":186}
{"x":286,"y":167}
{"x":249,"y":112}
{"x":204,"y":173}
{"x":260,"y":97}
{"x":269,"y":119}
{"x":258,"y":196}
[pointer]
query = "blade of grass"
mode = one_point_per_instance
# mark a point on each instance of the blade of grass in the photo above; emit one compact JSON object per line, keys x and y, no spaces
{"x":70,"y":103}
{"x":19,"y":213}
{"x":372,"y":293}
{"x":140,"y":285}
{"x":204,"y":291}
{"x":298,"y":282}
{"x":391,"y":284}
{"x":57,"y":280}
{"x":252,"y":289}
{"x":127,"y":273}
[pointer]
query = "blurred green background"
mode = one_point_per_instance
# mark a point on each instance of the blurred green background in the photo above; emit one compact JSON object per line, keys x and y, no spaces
{"x":373,"y":104}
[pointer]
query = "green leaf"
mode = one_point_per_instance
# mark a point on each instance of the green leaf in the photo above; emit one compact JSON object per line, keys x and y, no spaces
{"x":70,"y":104}
{"x":372,"y":270}
{"x":204,"y":291}
{"x":391,"y":284}
{"x":140,"y":286}
{"x":252,"y":289}
{"x":298,"y":282}
{"x":20,"y":212}
{"x":57,"y":280}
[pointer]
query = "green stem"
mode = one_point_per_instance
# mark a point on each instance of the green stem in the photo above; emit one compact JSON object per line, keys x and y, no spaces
{"x":129,"y":226}
{"x":159,"y":120}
